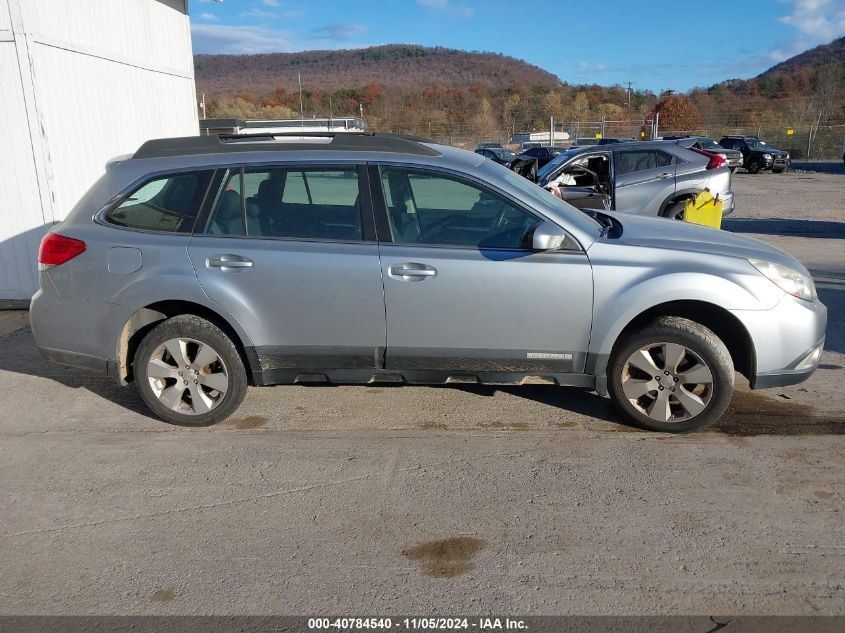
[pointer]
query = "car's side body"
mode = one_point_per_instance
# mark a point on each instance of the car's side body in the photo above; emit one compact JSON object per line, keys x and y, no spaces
{"x":645,"y":178}
{"x":374,"y":309}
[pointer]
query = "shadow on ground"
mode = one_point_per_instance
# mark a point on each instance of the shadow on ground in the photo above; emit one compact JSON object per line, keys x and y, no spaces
{"x":750,"y":413}
{"x":825,"y":167}
{"x":786,"y":227}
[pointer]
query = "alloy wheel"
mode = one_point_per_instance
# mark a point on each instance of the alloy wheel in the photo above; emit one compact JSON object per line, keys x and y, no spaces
{"x":187,"y":376}
{"x":668,"y":382}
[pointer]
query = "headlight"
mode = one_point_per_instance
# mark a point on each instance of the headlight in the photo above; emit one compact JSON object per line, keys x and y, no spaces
{"x":788,"y":280}
{"x":787,"y":157}
{"x":767,"y":156}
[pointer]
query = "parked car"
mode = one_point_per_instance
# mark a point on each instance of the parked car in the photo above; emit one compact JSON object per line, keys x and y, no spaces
{"x":489,"y":145}
{"x":498,"y":155}
{"x":205,"y":264}
{"x":647,"y":177}
{"x":542,"y":154}
{"x":611,"y":140}
{"x":733,"y":157}
{"x":757,"y":154}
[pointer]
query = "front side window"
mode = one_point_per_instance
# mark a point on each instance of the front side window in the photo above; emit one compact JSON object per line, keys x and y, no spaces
{"x":429,"y":208}
{"x":168,"y":203}
{"x":290,"y":202}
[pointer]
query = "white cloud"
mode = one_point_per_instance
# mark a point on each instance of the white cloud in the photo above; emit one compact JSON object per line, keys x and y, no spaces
{"x":224,"y":39}
{"x":208,"y":17}
{"x":258,"y":13}
{"x":293,"y":13}
{"x":445,"y":5}
{"x":271,"y":3}
{"x":818,"y":20}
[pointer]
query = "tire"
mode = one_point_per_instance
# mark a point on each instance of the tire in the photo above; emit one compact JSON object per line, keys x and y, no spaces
{"x":754,"y":166}
{"x":733,"y":169}
{"x":674,"y":210}
{"x":207,"y":384}
{"x":778,"y":170}
{"x":686,"y":409}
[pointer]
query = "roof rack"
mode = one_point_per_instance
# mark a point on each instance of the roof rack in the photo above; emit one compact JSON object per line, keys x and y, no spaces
{"x":285,"y":141}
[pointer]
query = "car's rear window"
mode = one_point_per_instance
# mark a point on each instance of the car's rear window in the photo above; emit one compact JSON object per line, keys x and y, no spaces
{"x":166,"y":203}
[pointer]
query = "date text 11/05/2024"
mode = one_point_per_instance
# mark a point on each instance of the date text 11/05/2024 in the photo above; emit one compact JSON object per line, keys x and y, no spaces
{"x":418,"y":624}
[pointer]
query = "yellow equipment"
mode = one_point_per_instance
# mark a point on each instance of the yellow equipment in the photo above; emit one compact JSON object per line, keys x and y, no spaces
{"x":704,"y":209}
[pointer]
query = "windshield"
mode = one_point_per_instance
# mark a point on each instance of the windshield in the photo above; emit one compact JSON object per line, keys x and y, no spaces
{"x":561,"y":158}
{"x":757,"y":144}
{"x":503,"y":153}
{"x":537,"y":194}
{"x":709,"y":143}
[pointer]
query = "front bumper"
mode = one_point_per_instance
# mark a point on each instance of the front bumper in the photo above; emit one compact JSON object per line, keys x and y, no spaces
{"x":783,"y":338}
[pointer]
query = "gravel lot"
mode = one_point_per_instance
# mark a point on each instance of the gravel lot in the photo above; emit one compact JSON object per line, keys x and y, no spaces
{"x":431,"y":501}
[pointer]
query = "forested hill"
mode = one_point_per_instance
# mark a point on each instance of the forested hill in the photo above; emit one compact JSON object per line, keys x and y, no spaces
{"x":833,"y":53}
{"x":407,"y":67}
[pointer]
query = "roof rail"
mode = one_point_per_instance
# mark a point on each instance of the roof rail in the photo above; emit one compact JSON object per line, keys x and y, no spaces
{"x":285,"y":141}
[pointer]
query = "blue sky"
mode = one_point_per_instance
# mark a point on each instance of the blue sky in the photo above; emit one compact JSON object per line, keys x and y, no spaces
{"x":659,"y":44}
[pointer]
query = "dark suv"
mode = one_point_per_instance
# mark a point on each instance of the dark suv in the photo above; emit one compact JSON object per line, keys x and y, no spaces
{"x":757,"y":155}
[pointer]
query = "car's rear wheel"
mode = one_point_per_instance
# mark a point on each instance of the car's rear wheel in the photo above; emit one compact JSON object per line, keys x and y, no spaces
{"x":754,"y":166}
{"x":189,"y":372}
{"x":672,"y":375}
{"x":674,"y":210}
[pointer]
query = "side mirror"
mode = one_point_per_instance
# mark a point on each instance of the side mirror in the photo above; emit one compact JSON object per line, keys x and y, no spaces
{"x":548,"y":236}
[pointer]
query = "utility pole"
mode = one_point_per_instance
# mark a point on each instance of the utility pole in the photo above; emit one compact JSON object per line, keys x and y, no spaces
{"x":301,"y":109}
{"x":629,"y":95}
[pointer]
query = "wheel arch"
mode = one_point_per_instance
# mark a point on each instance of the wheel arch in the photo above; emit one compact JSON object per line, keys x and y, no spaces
{"x":146,"y":318}
{"x":682,"y":194}
{"x":720,"y":321}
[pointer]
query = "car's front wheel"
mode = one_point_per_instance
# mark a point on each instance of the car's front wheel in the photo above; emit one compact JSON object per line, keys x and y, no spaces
{"x":778,"y":170}
{"x":754,"y":166}
{"x":189,"y":372}
{"x":672,"y":375}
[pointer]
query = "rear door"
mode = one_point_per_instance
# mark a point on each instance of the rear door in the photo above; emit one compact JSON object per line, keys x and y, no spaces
{"x":290,"y":251}
{"x":643,"y":178}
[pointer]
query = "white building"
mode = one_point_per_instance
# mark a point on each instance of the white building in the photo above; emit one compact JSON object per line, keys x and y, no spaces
{"x":81,"y":81}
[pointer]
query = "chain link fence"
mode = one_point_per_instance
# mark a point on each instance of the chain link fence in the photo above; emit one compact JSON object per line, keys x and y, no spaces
{"x":805,"y":142}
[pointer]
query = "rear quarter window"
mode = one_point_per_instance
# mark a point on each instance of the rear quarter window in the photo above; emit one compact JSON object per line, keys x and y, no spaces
{"x":165,"y":203}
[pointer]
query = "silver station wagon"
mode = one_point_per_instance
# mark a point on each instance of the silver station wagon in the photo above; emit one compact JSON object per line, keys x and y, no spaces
{"x":202,"y":265}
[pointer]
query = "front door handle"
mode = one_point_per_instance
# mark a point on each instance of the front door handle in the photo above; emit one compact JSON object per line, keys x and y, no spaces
{"x":229,"y":262}
{"x":412,"y":271}
{"x":665,"y":174}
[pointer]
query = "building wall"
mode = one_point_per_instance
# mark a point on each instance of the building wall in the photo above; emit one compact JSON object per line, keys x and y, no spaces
{"x":81,"y":81}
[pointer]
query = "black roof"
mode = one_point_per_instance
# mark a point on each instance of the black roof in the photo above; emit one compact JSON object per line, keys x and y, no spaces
{"x":340,"y":141}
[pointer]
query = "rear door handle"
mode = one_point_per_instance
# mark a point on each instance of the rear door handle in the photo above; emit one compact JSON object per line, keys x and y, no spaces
{"x":229,"y":261}
{"x":665,"y":174}
{"x":412,"y":271}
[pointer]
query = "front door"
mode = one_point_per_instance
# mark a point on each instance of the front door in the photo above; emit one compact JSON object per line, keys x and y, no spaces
{"x":463,"y":290}
{"x":291,"y":254}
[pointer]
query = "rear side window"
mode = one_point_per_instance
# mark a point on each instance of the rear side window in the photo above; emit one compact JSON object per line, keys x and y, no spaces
{"x":168,"y":203}
{"x":310,"y":203}
{"x":641,"y":160}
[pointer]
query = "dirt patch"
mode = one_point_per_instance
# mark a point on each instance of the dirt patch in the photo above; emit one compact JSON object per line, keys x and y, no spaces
{"x":163,"y":595}
{"x":249,"y":422}
{"x":751,"y":414}
{"x":519,"y":426}
{"x":447,"y":558}
{"x":299,"y":408}
{"x":431,"y":424}
{"x":565,"y":425}
{"x":822,"y":494}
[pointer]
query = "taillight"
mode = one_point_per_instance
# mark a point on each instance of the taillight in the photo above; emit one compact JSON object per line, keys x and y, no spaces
{"x":716,"y":160}
{"x":57,"y":249}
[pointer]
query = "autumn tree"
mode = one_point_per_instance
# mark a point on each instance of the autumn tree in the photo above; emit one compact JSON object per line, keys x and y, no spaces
{"x":678,"y":114}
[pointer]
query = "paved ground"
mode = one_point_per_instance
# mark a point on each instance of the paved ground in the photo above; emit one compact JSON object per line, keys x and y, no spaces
{"x":434,"y":500}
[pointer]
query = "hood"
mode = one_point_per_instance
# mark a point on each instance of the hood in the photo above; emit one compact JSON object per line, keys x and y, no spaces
{"x":683,"y":236}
